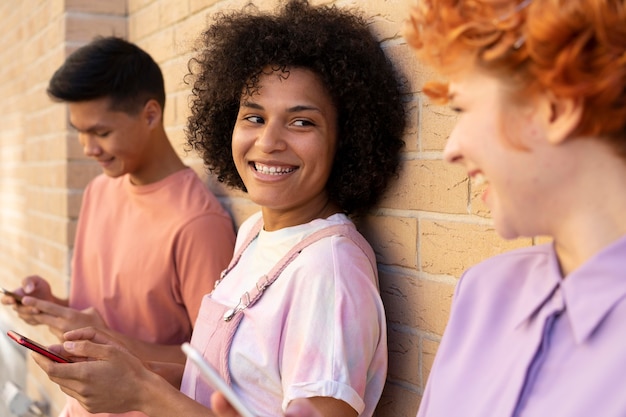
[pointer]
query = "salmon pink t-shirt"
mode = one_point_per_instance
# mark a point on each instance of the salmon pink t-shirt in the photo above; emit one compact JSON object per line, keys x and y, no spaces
{"x":145,"y":255}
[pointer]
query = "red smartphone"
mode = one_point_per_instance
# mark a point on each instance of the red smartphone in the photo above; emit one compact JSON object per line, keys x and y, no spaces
{"x":36,"y":347}
{"x":16,"y":297}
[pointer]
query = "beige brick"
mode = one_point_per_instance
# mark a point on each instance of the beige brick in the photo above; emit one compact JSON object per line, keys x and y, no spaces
{"x":429,"y":350}
{"x":394,"y":239}
{"x":451,"y":247}
{"x":53,"y":202}
{"x":160,"y":45}
{"x":436,"y":124}
{"x":83,"y":28}
{"x":398,"y":401}
{"x":174,"y":72}
{"x":429,"y":185}
{"x":415,"y":302}
{"x":413,"y":126}
{"x":80,"y":173}
{"x":144,"y":22}
{"x":188,"y":31}
{"x":135,"y":5}
{"x":172,"y":11}
{"x":404,"y":353}
{"x":386,"y":17}
{"x":414,"y":72}
{"x":113,"y":7}
{"x":180,"y":109}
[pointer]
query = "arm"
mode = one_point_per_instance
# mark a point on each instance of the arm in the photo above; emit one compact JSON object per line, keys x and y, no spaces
{"x":297,"y":408}
{"x":61,"y":319}
{"x":204,"y":249}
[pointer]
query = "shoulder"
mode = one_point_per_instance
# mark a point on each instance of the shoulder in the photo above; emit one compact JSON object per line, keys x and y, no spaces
{"x":344,"y":255}
{"x":508,"y":271}
{"x":527,"y":257}
{"x":190,"y":196}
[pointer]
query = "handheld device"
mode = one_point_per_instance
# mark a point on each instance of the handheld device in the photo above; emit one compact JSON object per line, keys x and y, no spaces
{"x":216,"y":381}
{"x":16,"y":297}
{"x":36,"y":347}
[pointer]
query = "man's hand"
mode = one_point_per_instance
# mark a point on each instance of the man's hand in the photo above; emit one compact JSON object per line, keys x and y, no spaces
{"x":60,"y":319}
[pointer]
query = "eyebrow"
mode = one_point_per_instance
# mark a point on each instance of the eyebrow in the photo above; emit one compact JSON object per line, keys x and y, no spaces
{"x":90,"y":129}
{"x":293,"y":109}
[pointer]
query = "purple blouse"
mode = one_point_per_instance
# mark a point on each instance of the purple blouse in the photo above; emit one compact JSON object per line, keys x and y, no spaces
{"x":522,"y":341}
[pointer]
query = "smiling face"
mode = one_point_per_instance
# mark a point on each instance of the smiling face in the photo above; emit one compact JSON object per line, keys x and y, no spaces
{"x":504,"y":148}
{"x":283,"y":145}
{"x":116,"y":140}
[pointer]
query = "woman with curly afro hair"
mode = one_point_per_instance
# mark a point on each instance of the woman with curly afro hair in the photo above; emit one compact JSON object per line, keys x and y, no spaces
{"x":338,"y":48}
{"x":302,"y":110}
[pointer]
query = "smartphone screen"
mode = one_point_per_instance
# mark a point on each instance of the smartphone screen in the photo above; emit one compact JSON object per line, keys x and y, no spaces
{"x":16,"y":297}
{"x":36,"y":347}
{"x":216,"y":381}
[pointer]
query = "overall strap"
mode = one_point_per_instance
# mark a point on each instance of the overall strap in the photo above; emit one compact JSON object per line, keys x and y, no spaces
{"x":348,"y":230}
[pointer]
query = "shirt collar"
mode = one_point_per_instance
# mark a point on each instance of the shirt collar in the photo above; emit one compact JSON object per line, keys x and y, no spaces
{"x":544,"y":277}
{"x":589,"y":293}
{"x":593,"y":290}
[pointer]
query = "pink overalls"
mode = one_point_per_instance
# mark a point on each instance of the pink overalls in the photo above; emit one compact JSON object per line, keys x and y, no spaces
{"x":216,"y":324}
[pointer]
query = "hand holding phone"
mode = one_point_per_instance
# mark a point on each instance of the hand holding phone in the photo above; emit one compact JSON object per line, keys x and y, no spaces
{"x":216,"y":381}
{"x":36,"y":347}
{"x":16,"y":297}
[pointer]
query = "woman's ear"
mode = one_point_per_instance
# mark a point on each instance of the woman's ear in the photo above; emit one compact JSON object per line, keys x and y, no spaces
{"x":152,"y":113}
{"x":562,"y":117}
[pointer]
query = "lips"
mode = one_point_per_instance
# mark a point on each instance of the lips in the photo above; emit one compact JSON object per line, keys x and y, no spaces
{"x":479,"y":180}
{"x":272,"y":169}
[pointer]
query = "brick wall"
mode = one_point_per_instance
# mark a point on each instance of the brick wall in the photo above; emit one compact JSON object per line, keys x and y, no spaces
{"x":427,"y":230}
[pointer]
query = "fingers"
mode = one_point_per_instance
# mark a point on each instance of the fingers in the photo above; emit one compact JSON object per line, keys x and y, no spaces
{"x":221,"y":406}
{"x":49,"y":307}
{"x":35,"y":284}
{"x":93,"y":334}
{"x":98,"y":348}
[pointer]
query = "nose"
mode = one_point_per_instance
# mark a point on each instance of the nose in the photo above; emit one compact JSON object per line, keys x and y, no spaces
{"x":271,"y":137}
{"x":452,"y":152}
{"x":90,"y":145}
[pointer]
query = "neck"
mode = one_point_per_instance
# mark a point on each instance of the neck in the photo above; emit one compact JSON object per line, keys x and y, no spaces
{"x":276,"y":219}
{"x":162,"y":162}
{"x":594,"y":216}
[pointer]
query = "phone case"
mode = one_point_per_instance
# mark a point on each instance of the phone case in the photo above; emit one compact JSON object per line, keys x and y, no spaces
{"x":36,"y":347}
{"x":16,"y":297}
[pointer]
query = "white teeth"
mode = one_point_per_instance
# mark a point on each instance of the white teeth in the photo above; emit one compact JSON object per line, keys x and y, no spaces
{"x":264,"y":169}
{"x":478,"y":180}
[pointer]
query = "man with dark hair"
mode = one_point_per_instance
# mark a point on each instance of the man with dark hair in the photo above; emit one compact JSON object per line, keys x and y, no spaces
{"x":151,"y":238}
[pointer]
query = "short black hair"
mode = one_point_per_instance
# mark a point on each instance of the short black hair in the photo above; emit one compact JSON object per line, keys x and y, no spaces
{"x":337,"y":46}
{"x":109,"y":67}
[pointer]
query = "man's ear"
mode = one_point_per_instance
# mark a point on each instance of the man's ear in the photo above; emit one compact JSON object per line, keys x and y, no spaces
{"x":153,"y":113}
{"x":563,"y":115}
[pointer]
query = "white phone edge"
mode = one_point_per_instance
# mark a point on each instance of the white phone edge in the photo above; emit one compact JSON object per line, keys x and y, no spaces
{"x":215,"y":379}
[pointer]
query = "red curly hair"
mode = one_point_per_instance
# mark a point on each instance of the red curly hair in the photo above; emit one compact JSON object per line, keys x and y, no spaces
{"x":573,"y":48}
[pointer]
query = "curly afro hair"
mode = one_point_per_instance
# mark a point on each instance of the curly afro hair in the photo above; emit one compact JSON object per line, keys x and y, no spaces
{"x":335,"y":44}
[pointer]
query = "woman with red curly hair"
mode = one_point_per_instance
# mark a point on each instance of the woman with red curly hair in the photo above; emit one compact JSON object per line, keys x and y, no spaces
{"x":540,"y":91}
